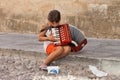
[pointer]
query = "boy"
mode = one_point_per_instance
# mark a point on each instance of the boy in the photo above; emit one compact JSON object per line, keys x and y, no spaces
{"x":57,"y":52}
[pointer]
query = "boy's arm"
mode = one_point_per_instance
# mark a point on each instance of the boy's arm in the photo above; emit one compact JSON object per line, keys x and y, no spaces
{"x":42,"y":36}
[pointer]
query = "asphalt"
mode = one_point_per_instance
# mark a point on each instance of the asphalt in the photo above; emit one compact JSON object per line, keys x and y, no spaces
{"x":104,"y":52}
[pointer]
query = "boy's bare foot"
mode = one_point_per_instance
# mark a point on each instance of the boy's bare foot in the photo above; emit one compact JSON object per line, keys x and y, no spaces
{"x":43,"y":67}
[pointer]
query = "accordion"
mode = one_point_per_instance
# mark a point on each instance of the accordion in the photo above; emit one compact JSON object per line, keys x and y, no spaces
{"x":63,"y":35}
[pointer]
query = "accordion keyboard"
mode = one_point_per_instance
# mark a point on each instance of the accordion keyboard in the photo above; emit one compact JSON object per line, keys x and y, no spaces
{"x":62,"y":34}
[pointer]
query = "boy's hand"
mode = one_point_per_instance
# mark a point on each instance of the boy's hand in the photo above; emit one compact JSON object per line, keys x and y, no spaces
{"x":52,"y":38}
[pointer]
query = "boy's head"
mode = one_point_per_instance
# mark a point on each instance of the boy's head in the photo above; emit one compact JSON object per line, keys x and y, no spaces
{"x":54,"y":17}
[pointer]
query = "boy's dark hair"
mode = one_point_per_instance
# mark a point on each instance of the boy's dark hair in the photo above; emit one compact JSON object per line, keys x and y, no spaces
{"x":54,"y":16}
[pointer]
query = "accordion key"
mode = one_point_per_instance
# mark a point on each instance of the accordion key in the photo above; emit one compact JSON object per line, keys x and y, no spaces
{"x":62,"y":34}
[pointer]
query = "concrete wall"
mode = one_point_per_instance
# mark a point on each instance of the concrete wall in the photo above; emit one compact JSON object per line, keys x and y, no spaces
{"x":97,"y":18}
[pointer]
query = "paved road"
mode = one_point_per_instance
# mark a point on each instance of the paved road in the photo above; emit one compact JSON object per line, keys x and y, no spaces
{"x":97,"y":48}
{"x":26,"y":42}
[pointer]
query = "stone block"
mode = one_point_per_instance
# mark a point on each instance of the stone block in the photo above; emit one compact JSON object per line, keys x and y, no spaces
{"x":111,"y":66}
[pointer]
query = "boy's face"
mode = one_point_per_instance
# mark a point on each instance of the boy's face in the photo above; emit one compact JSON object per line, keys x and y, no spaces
{"x":54,"y":24}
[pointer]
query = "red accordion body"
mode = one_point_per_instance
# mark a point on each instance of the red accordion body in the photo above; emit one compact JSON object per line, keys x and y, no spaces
{"x":62,"y":33}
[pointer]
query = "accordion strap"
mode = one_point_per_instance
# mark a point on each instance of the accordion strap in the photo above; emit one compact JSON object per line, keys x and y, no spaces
{"x":46,"y":28}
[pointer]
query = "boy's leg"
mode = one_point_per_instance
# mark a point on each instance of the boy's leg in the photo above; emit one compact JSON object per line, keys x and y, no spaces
{"x":57,"y":52}
{"x":67,"y":50}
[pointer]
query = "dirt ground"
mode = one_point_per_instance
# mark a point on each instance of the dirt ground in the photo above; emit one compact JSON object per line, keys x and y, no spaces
{"x":20,"y":65}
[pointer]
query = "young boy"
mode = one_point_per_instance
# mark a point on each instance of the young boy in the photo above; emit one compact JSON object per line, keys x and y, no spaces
{"x":57,"y":52}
